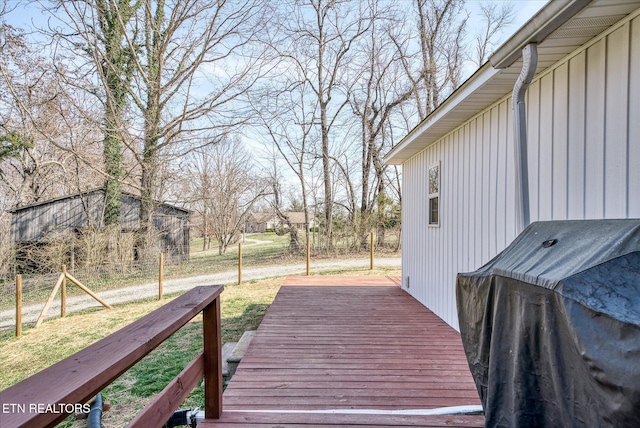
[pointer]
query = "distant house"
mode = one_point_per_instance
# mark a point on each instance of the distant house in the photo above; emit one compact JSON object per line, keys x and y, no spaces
{"x":460,"y":173}
{"x":261,"y":222}
{"x":74,"y":213}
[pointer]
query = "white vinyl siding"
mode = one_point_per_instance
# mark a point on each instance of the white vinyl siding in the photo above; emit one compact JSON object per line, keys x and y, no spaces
{"x":583,"y":126}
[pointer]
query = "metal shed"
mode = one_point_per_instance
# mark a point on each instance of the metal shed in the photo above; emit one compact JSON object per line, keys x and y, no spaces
{"x":69,"y":214}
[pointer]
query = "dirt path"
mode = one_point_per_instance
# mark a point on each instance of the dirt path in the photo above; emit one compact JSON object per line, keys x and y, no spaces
{"x":113,"y":297}
{"x":248,"y":242}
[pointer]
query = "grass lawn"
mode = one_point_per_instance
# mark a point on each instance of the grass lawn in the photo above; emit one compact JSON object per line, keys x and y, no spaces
{"x":243,"y":307}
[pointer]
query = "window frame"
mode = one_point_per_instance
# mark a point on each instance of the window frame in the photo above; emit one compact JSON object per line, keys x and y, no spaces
{"x":433,"y":195}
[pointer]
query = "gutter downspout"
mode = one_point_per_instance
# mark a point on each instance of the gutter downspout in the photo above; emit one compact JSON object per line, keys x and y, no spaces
{"x":529,"y":64}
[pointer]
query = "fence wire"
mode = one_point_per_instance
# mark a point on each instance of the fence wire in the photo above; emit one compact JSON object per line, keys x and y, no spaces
{"x":107,"y":276}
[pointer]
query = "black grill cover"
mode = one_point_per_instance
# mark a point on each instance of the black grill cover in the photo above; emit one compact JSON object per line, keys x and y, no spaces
{"x":551,"y":326}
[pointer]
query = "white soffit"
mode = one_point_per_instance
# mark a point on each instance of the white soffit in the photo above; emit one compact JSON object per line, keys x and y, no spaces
{"x":489,"y":84}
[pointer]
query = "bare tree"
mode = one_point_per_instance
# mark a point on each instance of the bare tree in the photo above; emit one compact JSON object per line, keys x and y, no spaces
{"x":178,"y":47}
{"x":495,"y":17}
{"x":379,"y":92}
{"x":182,"y":65}
{"x":38,"y":123}
{"x":288,"y":120}
{"x":224,"y":188}
{"x":433,"y":68}
{"x":284,"y":218}
{"x":3,"y":8}
{"x":318,"y":40}
{"x":97,"y":30}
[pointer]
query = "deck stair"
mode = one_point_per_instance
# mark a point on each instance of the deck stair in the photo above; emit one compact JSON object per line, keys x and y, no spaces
{"x":227,"y":348}
{"x":232,"y":353}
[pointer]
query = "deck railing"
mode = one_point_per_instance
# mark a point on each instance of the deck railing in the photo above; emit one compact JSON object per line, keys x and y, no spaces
{"x":47,"y":397}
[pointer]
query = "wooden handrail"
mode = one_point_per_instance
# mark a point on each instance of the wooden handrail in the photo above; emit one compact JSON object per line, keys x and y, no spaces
{"x":47,"y":397}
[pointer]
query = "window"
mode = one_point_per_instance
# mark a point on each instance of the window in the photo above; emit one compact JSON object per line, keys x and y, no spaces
{"x":434,"y":195}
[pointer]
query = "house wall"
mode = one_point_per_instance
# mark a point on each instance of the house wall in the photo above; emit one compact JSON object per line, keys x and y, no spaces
{"x":584,"y":163}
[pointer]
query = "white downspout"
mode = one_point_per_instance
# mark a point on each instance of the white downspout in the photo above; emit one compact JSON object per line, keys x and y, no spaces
{"x":529,"y":64}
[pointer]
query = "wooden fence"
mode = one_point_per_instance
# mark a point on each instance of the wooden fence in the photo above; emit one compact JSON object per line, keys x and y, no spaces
{"x":64,"y":276}
{"x":62,"y":285}
{"x":307,"y":257}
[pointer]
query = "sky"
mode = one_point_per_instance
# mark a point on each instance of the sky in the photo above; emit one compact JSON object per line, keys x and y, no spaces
{"x":25,"y":12}
{"x":524,"y":10}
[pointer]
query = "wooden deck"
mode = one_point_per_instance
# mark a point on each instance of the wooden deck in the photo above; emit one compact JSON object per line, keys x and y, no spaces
{"x":339,"y":351}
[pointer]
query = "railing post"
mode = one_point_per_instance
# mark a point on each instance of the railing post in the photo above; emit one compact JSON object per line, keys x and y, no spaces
{"x":160,"y":275}
{"x":18,"y":305}
{"x":371,"y":252}
{"x":63,"y":293}
{"x":239,"y":263}
{"x":212,"y":360}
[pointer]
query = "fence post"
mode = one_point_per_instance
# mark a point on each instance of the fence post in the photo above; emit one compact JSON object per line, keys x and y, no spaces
{"x":371,"y":252}
{"x":239,"y":263}
{"x":308,"y":253}
{"x":18,"y":305}
{"x":160,"y":275}
{"x":63,"y":293}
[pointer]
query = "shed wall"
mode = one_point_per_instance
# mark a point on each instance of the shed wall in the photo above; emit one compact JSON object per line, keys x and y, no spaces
{"x":64,"y":215}
{"x":584,"y":152}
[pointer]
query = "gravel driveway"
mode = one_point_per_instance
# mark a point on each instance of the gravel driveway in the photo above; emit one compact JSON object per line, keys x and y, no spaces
{"x":113,"y":297}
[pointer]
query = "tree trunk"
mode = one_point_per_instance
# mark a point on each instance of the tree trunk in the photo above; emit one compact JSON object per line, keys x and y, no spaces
{"x":112,"y":162}
{"x":153,"y":26}
{"x":116,"y":72}
{"x":326,"y":171}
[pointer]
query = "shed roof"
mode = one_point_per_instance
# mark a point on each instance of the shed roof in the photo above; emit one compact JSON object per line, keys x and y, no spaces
{"x":88,"y":192}
{"x":559,"y":28}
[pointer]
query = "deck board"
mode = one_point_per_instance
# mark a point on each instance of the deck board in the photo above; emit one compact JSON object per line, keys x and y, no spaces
{"x":342,"y":281}
{"x":336,"y":344}
{"x":295,"y":420}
